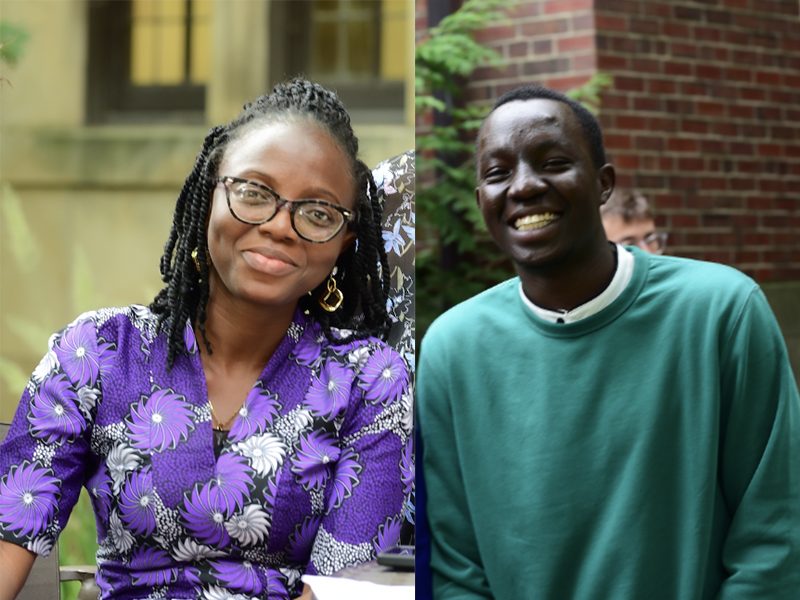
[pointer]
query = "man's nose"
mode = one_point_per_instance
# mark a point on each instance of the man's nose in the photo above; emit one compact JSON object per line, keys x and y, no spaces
{"x":526,"y":182}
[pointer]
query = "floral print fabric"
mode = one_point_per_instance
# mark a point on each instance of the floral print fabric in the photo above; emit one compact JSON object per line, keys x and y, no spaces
{"x":395,"y":179}
{"x":313,"y":475}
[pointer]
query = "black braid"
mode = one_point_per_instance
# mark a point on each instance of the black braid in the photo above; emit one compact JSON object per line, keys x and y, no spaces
{"x":362,"y":270}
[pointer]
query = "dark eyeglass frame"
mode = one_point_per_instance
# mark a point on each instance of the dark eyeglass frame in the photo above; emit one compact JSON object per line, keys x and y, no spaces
{"x":291,"y":205}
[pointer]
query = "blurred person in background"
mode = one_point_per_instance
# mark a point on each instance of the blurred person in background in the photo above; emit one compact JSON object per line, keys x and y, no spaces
{"x":250,"y":425}
{"x":628,"y":220}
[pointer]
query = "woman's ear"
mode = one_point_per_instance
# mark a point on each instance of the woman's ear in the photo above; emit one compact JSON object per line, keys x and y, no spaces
{"x":349,"y":239}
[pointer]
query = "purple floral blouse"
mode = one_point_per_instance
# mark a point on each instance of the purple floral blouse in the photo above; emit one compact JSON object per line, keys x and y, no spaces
{"x":312,"y":477}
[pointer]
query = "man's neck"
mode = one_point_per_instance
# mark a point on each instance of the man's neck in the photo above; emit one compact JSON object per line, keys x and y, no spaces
{"x":564,"y":288}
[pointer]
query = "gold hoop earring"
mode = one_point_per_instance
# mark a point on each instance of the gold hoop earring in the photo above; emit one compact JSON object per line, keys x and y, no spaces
{"x":333,"y":299}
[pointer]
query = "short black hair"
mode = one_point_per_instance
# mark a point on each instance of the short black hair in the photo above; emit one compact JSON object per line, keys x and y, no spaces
{"x":587,"y":120}
{"x":362,"y":270}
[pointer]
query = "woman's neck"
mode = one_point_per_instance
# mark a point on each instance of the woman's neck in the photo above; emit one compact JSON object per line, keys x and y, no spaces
{"x":244,"y":334}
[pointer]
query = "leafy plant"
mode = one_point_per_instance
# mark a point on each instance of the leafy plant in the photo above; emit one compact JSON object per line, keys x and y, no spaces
{"x":455,"y":257}
{"x":12,"y":44}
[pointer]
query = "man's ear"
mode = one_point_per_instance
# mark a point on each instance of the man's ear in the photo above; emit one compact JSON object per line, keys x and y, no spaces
{"x":478,"y":196}
{"x":607,"y":177}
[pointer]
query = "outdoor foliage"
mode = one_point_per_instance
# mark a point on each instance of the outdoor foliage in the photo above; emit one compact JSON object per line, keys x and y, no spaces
{"x":456,"y":258}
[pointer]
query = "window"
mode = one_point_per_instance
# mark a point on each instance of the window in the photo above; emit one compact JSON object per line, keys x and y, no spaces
{"x":357,"y":47}
{"x":148,"y":59}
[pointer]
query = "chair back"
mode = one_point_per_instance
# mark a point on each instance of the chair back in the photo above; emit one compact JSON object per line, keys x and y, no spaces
{"x":43,"y":582}
{"x":395,"y":178}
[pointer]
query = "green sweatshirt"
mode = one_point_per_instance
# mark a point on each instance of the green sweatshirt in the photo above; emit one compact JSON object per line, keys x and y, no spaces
{"x":650,"y":451}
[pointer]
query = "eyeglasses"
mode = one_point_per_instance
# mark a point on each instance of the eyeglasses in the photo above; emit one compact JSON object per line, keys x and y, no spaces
{"x":655,"y":242}
{"x":314,"y":220}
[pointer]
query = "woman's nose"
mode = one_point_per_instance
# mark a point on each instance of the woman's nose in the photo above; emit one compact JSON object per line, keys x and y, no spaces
{"x":525,"y":183}
{"x":280,"y":226}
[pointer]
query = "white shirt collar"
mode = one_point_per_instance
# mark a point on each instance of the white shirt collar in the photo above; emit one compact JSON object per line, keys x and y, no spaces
{"x":622,"y":277}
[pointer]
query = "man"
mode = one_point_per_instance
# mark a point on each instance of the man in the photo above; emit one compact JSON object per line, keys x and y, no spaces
{"x":628,"y":220}
{"x":610,"y":424}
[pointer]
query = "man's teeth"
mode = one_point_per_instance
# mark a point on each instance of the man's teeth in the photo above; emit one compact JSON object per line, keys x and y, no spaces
{"x":534,"y":221}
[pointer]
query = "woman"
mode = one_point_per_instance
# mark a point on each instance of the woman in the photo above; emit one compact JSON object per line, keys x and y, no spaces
{"x":248,"y":426}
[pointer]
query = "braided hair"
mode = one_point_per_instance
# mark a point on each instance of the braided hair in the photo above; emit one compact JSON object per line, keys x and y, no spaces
{"x":362,"y":270}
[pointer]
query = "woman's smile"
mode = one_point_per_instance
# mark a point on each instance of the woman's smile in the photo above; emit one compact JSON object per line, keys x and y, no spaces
{"x":268,"y":263}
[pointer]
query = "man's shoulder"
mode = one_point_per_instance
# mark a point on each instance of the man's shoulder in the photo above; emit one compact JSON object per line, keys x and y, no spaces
{"x":702,"y":273}
{"x":465,"y":316}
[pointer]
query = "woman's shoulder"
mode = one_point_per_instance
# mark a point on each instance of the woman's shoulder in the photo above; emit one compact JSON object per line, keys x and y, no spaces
{"x":115,"y":320}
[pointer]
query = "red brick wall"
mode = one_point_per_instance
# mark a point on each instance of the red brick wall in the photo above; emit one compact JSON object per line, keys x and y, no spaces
{"x":703,"y":115}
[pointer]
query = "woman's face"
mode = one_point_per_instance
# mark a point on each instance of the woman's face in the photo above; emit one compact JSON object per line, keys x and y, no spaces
{"x":269,"y":264}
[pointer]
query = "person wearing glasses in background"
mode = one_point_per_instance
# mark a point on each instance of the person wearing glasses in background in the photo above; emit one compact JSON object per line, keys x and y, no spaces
{"x":628,"y":220}
{"x":249,"y":425}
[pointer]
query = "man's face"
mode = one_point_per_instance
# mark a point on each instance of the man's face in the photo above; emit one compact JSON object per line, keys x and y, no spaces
{"x":538,"y":189}
{"x":636,"y":232}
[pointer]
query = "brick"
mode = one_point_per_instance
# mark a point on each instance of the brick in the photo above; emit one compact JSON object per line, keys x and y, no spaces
{"x":618,"y":141}
{"x":605,"y":22}
{"x":647,"y":66}
{"x":741,"y":148}
{"x":720,"y":17}
{"x":738,"y":75}
{"x":632,"y":121}
{"x":684,"y":49}
{"x":706,"y":34}
{"x":688,"y":14}
{"x":724,"y":128}
{"x":667,"y":124}
{"x":741,"y":111}
{"x":769,"y":113}
{"x":518,"y":49}
{"x":583,"y":22}
{"x":654,"y":143}
{"x":571,"y":44}
{"x":584,"y":62}
{"x":661,"y":86}
{"x":644,"y":26}
{"x":710,"y":109}
{"x":627,"y":161}
{"x":526,"y":9}
{"x":610,"y":62}
{"x":679,"y":106}
{"x":544,"y":28}
{"x":694,"y":126}
{"x":542,"y":47}
{"x":768,"y":78}
{"x":684,"y":221}
{"x":772,"y":150}
{"x":658,"y":9}
{"x":566,"y":83}
{"x":676,"y":30}
{"x":629,"y":84}
{"x":708,"y":72}
{"x":496,"y":32}
{"x":647,"y":103}
{"x":691,"y":164}
{"x":675,"y":68}
{"x":560,"y":6}
{"x":712,"y":147}
{"x":545,"y":67}
{"x":682,"y":145}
